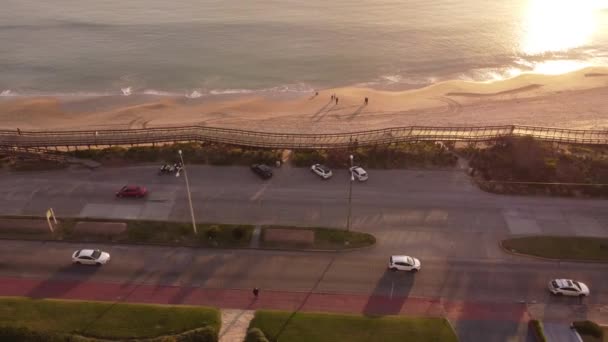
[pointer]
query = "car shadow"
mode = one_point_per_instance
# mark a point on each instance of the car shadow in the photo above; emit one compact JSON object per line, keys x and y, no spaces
{"x":63,"y":281}
{"x":390,"y":293}
{"x":482,"y":318}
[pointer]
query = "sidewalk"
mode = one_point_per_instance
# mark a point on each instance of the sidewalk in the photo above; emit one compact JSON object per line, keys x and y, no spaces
{"x":278,"y":300}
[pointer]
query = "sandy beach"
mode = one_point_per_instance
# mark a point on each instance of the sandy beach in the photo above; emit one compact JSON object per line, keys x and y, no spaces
{"x":575,"y":100}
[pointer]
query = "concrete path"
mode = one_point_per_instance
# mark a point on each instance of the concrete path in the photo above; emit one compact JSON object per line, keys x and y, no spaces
{"x":235,"y":323}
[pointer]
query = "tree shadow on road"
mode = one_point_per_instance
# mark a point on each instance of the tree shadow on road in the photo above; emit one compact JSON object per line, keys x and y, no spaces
{"x":390,"y":293}
{"x":63,"y":281}
{"x":303,"y":303}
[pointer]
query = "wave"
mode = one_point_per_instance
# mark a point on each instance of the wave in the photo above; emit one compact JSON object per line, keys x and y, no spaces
{"x":7,"y":93}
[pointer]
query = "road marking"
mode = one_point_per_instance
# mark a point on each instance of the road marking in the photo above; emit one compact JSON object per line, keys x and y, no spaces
{"x":392,"y":287}
{"x":259,"y":193}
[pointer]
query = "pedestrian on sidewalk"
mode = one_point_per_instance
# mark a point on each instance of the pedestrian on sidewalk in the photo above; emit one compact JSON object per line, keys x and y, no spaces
{"x":256,"y":292}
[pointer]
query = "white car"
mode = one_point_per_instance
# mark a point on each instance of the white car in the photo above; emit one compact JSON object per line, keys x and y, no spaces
{"x":359,"y":173}
{"x":403,"y":263}
{"x":321,"y":170}
{"x":568,"y":287}
{"x":90,"y":257}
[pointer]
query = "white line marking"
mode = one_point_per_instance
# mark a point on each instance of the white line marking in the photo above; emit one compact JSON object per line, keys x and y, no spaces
{"x":259,"y":193}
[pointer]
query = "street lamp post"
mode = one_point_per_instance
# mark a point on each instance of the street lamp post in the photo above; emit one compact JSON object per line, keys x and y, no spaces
{"x":188,"y":190}
{"x":350,"y":194}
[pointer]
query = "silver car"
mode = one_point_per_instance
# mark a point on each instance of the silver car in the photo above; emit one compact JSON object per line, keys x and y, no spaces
{"x":90,"y":257}
{"x":322,"y":171}
{"x":359,"y":173}
{"x":568,"y":287}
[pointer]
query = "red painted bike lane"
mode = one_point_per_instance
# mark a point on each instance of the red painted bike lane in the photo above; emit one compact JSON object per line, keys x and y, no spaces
{"x":244,"y":299}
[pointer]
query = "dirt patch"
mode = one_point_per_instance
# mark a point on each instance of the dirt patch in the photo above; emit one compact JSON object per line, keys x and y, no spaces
{"x":99,"y":228}
{"x":299,"y":236}
{"x":28,"y":226}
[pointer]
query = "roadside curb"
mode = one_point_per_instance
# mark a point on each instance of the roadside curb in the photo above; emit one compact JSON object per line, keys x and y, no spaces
{"x":508,"y":251}
{"x":194,"y":247}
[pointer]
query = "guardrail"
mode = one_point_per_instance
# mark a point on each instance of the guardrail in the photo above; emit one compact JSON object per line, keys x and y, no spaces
{"x":89,"y":138}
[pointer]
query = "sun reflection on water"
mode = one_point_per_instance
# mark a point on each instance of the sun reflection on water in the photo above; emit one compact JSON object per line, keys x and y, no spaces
{"x":558,"y":25}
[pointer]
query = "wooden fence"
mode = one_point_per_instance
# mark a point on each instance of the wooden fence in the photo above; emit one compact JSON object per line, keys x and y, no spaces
{"x":89,"y":138}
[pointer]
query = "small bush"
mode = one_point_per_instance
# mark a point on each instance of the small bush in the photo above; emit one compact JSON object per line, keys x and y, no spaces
{"x":206,"y":334}
{"x":538,"y":330}
{"x":255,"y":335}
{"x":588,"y":328}
{"x":212,"y":233}
{"x":238,"y":233}
{"x":18,"y":334}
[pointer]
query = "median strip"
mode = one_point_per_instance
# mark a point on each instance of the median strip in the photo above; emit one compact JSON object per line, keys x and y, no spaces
{"x":181,"y":234}
{"x":574,"y":248}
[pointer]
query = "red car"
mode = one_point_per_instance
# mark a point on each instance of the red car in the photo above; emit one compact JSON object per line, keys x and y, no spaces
{"x":132,"y":191}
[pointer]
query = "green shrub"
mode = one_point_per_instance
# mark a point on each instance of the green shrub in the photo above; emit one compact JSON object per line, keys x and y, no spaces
{"x":22,"y":334}
{"x":588,"y":328}
{"x":538,"y":330}
{"x":238,"y":233}
{"x":212,"y":232}
{"x":206,"y":334}
{"x":255,"y":335}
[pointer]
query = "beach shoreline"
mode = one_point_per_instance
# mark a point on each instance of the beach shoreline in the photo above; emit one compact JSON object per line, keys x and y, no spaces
{"x":573,"y":100}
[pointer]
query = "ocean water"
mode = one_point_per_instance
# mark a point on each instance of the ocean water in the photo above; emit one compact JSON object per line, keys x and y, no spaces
{"x":200,"y":47}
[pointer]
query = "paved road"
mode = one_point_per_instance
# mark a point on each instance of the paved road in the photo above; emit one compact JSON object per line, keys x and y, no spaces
{"x":437,"y":216}
{"x":427,"y":213}
{"x":357,"y":272}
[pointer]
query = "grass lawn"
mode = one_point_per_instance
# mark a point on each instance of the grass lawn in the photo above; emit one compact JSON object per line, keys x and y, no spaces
{"x":560,"y":247}
{"x":104,"y":320}
{"x":317,"y":327}
{"x":325,"y":238}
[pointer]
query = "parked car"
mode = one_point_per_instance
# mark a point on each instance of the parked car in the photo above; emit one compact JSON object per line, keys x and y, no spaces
{"x":322,"y":171}
{"x":262,"y":170}
{"x":90,"y":257}
{"x":403,"y":263}
{"x":359,"y":173}
{"x":568,"y":287}
{"x":132,"y":191}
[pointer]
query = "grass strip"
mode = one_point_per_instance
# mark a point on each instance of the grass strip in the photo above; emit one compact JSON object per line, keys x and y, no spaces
{"x":104,"y":320}
{"x":560,"y":247}
{"x":281,"y":326}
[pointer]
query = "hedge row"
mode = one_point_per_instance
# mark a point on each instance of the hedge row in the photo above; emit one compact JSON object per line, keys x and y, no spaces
{"x":538,"y":330}
{"x":22,"y":334}
{"x":588,"y":328}
{"x":197,"y":153}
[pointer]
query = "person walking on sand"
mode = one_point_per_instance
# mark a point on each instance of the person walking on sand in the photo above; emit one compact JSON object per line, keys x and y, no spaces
{"x":366,"y":101}
{"x":336,"y":100}
{"x":332,"y":97}
{"x":18,"y":131}
{"x":256,"y":292}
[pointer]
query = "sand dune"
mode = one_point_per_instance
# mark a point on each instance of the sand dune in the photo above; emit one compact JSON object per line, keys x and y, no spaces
{"x":574,"y":100}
